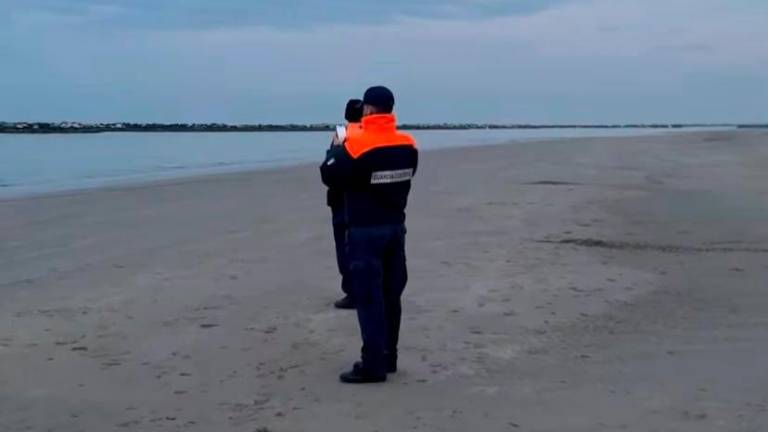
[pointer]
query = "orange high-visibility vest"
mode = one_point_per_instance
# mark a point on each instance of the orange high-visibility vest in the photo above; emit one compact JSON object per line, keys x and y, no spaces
{"x":375,"y":131}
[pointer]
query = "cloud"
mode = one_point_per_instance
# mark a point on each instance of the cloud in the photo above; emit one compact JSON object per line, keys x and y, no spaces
{"x":195,"y":14}
{"x":595,"y":60}
{"x":689,"y":48}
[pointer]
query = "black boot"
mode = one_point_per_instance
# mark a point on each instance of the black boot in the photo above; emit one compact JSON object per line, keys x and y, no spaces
{"x":391,"y":365}
{"x":345,"y":303}
{"x":358,"y":375}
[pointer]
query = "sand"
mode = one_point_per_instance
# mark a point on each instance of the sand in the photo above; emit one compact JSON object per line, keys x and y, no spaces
{"x":583,"y":285}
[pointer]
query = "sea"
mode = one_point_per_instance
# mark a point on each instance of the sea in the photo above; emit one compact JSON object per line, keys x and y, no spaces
{"x":42,"y":164}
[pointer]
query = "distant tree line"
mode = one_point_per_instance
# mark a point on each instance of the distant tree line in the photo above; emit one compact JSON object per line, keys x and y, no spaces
{"x":75,"y":127}
{"x":42,"y":127}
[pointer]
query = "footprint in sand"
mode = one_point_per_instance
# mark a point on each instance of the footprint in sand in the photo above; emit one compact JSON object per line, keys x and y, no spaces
{"x":110,"y":364}
{"x":70,"y":341}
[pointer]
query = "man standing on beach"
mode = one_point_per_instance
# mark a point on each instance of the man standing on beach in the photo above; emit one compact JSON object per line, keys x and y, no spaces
{"x":335,"y":198}
{"x":374,"y":167}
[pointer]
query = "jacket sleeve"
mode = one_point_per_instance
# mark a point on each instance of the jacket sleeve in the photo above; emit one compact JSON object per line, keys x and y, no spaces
{"x":338,"y":168}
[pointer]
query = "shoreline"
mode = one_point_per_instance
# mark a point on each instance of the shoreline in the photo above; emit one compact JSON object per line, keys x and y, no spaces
{"x":87,"y":129}
{"x":159,"y":178}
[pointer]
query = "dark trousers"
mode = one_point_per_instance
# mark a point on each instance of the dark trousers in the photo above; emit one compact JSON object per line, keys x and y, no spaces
{"x":378,"y":275}
{"x":340,"y":238}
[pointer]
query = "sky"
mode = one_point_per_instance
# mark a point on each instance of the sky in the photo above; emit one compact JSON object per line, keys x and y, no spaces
{"x":259,"y":61}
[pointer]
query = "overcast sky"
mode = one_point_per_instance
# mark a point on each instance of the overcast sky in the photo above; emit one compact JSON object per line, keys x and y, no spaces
{"x":251,"y":61}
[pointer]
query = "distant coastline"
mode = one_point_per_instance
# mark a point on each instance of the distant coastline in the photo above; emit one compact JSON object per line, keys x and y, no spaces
{"x":89,"y":128}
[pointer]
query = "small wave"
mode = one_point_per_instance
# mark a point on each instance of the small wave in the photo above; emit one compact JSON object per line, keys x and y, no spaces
{"x":173,"y":167}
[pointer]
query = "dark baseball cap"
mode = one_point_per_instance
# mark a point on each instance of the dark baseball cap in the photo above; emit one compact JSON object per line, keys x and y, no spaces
{"x":380,"y":97}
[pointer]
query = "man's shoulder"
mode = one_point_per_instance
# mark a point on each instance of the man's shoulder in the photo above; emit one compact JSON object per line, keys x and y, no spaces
{"x":353,"y":130}
{"x":364,"y":142}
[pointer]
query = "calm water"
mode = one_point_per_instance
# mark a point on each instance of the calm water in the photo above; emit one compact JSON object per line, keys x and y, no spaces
{"x":31,"y":164}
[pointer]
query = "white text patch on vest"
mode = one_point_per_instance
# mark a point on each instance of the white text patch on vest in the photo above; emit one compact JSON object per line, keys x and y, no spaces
{"x":381,"y":177}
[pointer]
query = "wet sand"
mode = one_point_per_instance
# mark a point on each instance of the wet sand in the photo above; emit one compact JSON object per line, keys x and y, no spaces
{"x":583,"y":285}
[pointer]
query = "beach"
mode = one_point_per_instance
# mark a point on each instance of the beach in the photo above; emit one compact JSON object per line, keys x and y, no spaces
{"x":587,"y":284}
